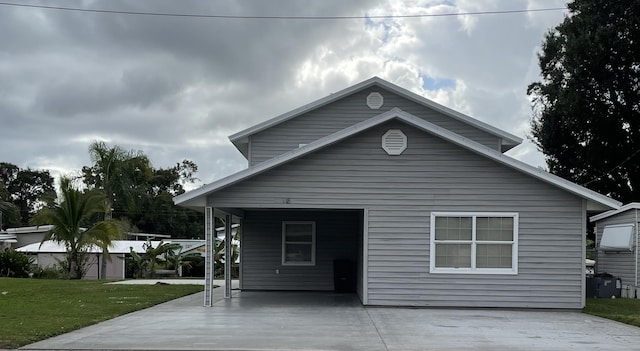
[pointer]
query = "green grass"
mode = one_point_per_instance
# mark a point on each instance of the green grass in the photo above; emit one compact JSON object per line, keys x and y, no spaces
{"x":36,"y":309}
{"x":622,"y":310}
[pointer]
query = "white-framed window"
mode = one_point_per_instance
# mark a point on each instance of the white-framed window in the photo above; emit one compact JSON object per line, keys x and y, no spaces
{"x":474,"y":242}
{"x":299,"y":243}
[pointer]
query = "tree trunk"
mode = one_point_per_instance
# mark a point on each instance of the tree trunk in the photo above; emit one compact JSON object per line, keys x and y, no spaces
{"x":73,"y":266}
{"x":103,"y":263}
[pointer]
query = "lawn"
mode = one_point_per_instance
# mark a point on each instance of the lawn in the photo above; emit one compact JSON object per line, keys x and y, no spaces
{"x":36,"y":309}
{"x":621,"y":310}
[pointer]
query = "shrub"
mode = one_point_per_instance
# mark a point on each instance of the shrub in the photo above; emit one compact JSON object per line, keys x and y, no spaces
{"x":14,"y":264}
{"x":48,"y":273}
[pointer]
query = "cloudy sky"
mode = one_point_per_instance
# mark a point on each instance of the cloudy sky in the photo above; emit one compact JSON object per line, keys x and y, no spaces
{"x":176,"y":87}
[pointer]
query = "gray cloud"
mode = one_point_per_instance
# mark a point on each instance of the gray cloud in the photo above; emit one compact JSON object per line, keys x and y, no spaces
{"x":176,"y":87}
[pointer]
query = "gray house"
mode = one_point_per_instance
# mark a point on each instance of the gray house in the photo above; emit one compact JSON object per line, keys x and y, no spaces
{"x":417,"y":198}
{"x":617,"y":242}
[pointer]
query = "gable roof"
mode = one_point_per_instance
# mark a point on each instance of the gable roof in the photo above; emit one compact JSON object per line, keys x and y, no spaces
{"x":197,"y":197}
{"x":241,"y":139}
{"x":627,"y":207}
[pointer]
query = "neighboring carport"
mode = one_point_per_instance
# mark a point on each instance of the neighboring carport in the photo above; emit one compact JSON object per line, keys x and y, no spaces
{"x":329,"y":321}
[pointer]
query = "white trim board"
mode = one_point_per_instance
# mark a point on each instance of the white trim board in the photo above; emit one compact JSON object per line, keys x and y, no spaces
{"x":197,"y":197}
{"x":473,"y":242}
{"x":627,"y":207}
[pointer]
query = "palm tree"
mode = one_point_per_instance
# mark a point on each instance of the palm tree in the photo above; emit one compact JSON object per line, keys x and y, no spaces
{"x":115,"y":172}
{"x":5,"y":205}
{"x":67,"y":216}
{"x":164,"y":253}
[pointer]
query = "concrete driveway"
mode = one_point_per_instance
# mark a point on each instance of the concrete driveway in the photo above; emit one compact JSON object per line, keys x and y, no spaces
{"x":328,"y":321}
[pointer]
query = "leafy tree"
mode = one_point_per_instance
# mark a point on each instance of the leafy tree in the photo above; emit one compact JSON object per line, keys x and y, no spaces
{"x":66,"y":217}
{"x":154,"y":210}
{"x":27,"y":189}
{"x":141,"y":194}
{"x":171,"y":180}
{"x":587,"y":104}
{"x":9,"y":213}
{"x":116,"y":173}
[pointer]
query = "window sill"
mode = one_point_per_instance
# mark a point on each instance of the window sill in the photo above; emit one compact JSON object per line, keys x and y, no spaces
{"x":298,"y":264}
{"x":482,"y":271}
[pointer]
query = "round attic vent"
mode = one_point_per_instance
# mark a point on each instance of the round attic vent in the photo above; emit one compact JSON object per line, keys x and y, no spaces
{"x":394,"y":142}
{"x":375,"y":100}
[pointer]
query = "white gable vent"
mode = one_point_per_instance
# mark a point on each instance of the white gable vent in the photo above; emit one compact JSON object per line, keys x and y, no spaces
{"x":375,"y":100}
{"x":394,"y":142}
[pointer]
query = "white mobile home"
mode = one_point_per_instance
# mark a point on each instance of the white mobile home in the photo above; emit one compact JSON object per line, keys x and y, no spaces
{"x":50,"y":253}
{"x":617,"y":243}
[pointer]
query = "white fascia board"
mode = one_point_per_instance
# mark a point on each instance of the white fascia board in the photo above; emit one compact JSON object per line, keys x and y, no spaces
{"x":286,"y":157}
{"x":417,"y":122}
{"x":627,"y":207}
{"x":118,"y":247}
{"x":507,"y":139}
{"x":31,"y":229}
{"x":243,"y":135}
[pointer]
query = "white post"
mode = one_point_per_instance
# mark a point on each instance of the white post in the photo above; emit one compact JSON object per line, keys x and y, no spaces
{"x":228,"y":259}
{"x":209,"y":243}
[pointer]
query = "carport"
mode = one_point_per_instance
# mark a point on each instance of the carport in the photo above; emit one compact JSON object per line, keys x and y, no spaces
{"x":284,"y":249}
{"x":330,"y":321}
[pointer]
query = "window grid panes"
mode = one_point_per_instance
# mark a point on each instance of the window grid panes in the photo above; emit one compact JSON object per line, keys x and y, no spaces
{"x":474,"y":242}
{"x":298,"y":243}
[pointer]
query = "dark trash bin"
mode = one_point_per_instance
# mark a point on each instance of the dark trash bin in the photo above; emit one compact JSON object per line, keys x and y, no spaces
{"x":591,"y":290}
{"x":606,"y":285}
{"x":344,"y":276}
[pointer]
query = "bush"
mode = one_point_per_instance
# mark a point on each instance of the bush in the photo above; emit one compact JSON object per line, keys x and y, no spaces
{"x":48,"y":273}
{"x":15,"y":264}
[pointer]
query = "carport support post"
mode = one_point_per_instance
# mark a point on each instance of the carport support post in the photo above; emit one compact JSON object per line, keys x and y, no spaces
{"x":228,"y":256}
{"x":208,"y":256}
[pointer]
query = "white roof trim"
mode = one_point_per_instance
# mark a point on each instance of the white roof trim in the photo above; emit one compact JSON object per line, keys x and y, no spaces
{"x":6,"y":237}
{"x":32,"y":229}
{"x":627,"y":207}
{"x":118,"y":247}
{"x":410,"y":119}
{"x":242,"y":136}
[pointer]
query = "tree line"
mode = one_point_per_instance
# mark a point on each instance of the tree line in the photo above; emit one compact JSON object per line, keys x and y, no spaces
{"x":587,"y":104}
{"x":134,"y":192}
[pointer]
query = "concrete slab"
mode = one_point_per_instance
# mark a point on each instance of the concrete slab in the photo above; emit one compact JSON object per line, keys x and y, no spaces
{"x":329,"y":321}
{"x":481,"y":329}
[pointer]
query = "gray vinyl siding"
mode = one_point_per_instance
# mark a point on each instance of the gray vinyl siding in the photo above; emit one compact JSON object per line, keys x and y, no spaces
{"x":336,"y":238}
{"x":619,"y":264}
{"x":400,"y":192}
{"x":341,"y":114}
